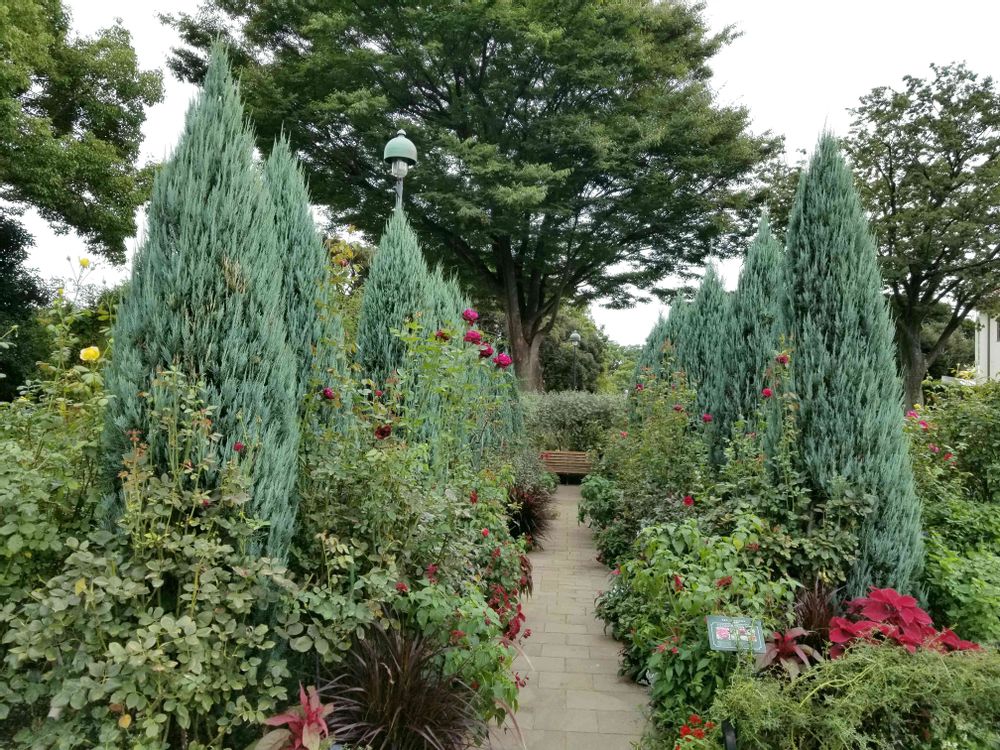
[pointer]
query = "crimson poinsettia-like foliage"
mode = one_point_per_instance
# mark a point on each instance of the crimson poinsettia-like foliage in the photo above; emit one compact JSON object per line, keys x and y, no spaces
{"x":306,"y":725}
{"x":785,"y":650}
{"x":886,"y":615}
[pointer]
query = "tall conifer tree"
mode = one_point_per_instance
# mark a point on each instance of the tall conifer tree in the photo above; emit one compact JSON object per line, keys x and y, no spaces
{"x":395,"y":292}
{"x":754,"y":339}
{"x":650,"y":360}
{"x":206,"y":299}
{"x":844,"y":368}
{"x":306,"y":269}
{"x":703,"y":353}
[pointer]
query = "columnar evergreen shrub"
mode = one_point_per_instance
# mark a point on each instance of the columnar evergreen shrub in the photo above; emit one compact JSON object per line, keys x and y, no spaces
{"x":703,"y":352}
{"x":754,"y":324}
{"x":445,"y":302}
{"x":396,"y":291}
{"x":206,"y":300}
{"x":313,"y":333}
{"x":650,"y":360}
{"x":845,"y":377}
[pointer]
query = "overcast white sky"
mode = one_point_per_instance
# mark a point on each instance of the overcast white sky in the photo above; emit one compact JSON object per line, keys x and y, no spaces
{"x":798,"y":66}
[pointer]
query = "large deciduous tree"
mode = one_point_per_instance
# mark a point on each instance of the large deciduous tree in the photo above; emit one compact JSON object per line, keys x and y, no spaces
{"x":927,"y":158}
{"x":569,"y":149}
{"x":71,"y":114}
{"x":844,"y":369}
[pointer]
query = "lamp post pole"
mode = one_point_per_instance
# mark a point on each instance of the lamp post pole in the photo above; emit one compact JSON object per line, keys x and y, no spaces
{"x":400,"y":154}
{"x":574,"y":339}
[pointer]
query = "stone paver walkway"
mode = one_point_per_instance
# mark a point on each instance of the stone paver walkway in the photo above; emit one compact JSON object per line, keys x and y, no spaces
{"x":575,"y":699}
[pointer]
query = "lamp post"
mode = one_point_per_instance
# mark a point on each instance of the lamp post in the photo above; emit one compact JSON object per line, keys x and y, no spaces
{"x":400,"y":154}
{"x":574,"y":339}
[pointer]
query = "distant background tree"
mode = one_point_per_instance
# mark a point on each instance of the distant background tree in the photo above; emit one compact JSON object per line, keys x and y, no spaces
{"x":21,"y":294}
{"x":927,"y":160}
{"x":567,"y":368}
{"x":959,"y":352}
{"x":619,"y":367}
{"x":568,"y":149}
{"x":71,"y":114}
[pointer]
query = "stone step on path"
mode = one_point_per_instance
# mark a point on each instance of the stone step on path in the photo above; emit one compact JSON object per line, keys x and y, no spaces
{"x":574,"y":699}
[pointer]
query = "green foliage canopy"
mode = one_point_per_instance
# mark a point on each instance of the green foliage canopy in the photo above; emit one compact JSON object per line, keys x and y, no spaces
{"x":558,"y":140}
{"x":71,"y":114}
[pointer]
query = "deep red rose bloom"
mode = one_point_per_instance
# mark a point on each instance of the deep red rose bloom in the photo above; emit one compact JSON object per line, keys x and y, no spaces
{"x":239,"y":447}
{"x":753,"y":546}
{"x":473,"y":497}
{"x":781,"y":359}
{"x":329,"y":394}
{"x":431,"y":572}
{"x":503,"y":361}
{"x":767,"y":393}
{"x":678,"y":583}
{"x":469,"y":315}
{"x":441,"y":335}
{"x":485,"y":351}
{"x":948,"y":456}
{"x":485,"y":532}
{"x":688,"y":500}
{"x":402,"y":588}
{"x":383,"y":431}
{"x":472,"y":336}
{"x":379,"y":394}
{"x":675,"y":650}
{"x":678,"y":407}
{"x":706,"y":418}
{"x":640,"y":387}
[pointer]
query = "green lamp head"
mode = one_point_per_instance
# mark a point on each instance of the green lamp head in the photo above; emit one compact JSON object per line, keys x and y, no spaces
{"x":401,"y":154}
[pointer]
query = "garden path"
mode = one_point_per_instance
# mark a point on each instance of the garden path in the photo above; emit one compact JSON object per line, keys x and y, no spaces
{"x":574,"y":699}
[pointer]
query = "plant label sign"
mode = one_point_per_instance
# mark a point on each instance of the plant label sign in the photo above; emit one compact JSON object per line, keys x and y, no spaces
{"x":735,"y":634}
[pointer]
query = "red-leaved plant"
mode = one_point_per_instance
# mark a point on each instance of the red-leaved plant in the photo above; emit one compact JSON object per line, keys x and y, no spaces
{"x":885,"y":615}
{"x":784,"y":650}
{"x":306,"y":725}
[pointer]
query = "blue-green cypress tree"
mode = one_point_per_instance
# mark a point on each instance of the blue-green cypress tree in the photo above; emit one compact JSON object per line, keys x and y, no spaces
{"x":844,"y":368}
{"x":205,"y":299}
{"x":650,"y":360}
{"x":395,"y":292}
{"x":754,"y":336}
{"x":313,"y":333}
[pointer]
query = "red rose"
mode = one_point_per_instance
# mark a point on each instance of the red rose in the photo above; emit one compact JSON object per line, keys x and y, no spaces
{"x":503,"y":361}
{"x":767,"y":393}
{"x":473,"y":497}
{"x":441,"y":335}
{"x":472,"y":336}
{"x":678,"y":583}
{"x":383,"y":431}
{"x":781,"y":359}
{"x":378,"y":393}
{"x":239,"y":447}
{"x":485,"y":533}
{"x":469,"y":315}
{"x":706,"y":418}
{"x":678,"y":407}
{"x":640,"y":387}
{"x":688,"y":500}
{"x":724,"y":581}
{"x":694,"y":719}
{"x":485,"y":351}
{"x":402,"y":588}
{"x":329,"y":394}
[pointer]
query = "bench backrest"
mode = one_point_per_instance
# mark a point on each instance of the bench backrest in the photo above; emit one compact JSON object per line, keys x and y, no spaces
{"x":575,"y":463}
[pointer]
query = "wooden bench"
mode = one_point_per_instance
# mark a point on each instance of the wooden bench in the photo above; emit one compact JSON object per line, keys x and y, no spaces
{"x":567,"y":463}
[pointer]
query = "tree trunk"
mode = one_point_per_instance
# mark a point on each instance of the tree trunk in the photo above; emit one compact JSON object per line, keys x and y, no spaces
{"x":914,"y":364}
{"x":526,"y":353}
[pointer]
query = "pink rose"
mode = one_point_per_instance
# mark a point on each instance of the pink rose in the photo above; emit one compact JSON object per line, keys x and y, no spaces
{"x":470,"y":315}
{"x":503,"y":361}
{"x":472,"y":336}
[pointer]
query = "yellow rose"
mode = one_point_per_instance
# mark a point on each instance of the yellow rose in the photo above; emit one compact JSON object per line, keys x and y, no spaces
{"x":84,"y":262}
{"x":90,"y":354}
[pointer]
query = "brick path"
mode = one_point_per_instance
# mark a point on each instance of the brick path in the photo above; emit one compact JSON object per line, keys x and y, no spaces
{"x":574,"y":699}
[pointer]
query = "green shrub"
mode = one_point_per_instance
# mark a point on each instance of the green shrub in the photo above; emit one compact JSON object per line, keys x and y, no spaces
{"x":572,"y":420}
{"x":659,"y":600}
{"x":872,"y":697}
{"x":968,"y":420}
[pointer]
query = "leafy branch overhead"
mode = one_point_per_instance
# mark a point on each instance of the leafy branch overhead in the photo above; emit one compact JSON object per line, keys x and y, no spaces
{"x":567,"y":149}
